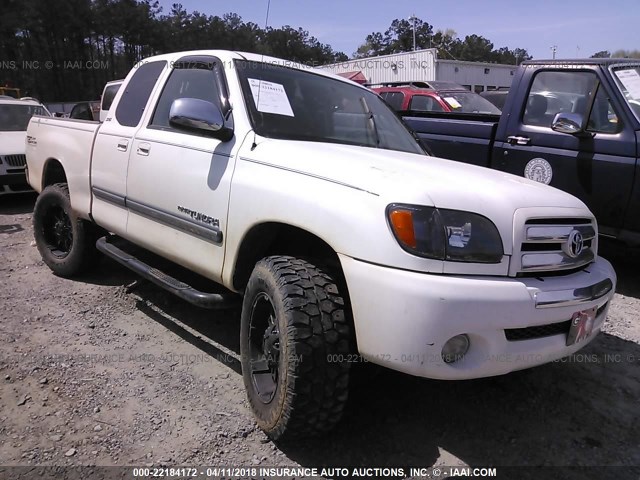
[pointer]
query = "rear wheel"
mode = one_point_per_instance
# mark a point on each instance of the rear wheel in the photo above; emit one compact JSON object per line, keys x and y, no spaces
{"x":294,"y":345}
{"x":65,"y":242}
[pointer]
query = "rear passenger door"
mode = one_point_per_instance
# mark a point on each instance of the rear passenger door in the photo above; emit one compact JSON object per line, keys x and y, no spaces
{"x":597,"y":168}
{"x":178,"y":181}
{"x":112,"y":148}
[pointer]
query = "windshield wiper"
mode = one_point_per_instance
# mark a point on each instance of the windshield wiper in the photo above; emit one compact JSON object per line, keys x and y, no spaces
{"x":371,"y":120}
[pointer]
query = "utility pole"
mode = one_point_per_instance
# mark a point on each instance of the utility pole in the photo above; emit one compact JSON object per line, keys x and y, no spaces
{"x":413,"y":18}
{"x":553,"y":50}
{"x":577,"y":51}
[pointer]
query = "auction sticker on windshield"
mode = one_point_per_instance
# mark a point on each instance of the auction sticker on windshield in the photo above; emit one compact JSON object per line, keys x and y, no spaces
{"x":631,"y":81}
{"x":453,"y":102}
{"x":270,"y":97}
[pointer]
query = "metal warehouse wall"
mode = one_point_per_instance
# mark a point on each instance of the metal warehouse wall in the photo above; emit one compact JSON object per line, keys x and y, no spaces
{"x":423,"y":65}
{"x":401,"y":67}
{"x":475,"y":74}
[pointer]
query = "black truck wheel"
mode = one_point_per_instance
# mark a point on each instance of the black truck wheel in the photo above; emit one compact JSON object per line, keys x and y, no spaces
{"x":294,"y":342}
{"x":65,"y":242}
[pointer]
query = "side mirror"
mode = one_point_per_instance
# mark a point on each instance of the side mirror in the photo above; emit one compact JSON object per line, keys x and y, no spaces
{"x":567,"y":122}
{"x":199,"y":115}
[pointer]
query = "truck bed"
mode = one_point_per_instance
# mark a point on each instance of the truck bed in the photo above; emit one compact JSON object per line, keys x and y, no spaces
{"x":69,"y":142}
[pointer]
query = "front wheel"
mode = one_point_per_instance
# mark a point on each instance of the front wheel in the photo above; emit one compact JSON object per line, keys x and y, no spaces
{"x":294,"y":343}
{"x":65,"y":242}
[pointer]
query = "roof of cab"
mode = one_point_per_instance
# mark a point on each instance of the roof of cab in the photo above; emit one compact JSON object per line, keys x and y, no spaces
{"x":229,"y":56}
{"x":604,"y":62}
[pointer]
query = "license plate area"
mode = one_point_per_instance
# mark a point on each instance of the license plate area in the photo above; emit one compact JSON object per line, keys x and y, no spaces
{"x":581,"y":325}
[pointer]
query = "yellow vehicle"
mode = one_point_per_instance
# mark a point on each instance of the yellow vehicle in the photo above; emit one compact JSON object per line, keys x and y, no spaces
{"x":10,"y":91}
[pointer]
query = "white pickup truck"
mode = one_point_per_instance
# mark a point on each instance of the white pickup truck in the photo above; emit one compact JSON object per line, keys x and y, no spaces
{"x":305,"y":194}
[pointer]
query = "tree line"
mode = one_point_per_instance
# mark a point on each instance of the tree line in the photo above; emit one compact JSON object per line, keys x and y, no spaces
{"x":399,"y":37}
{"x":65,"y":50}
{"x":617,"y":54}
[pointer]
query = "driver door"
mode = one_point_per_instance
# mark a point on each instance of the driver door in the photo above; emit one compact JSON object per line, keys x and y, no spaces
{"x":178,"y":181}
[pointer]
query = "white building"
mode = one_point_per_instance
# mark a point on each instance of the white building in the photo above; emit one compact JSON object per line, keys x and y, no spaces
{"x":424,"y":66}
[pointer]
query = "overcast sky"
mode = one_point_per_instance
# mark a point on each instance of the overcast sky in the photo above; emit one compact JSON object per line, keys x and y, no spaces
{"x":576,"y":27}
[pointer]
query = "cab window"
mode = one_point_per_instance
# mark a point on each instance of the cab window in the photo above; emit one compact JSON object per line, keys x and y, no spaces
{"x":554,"y":92}
{"x":195,"y":82}
{"x":425,"y":103}
{"x":131,"y":105}
{"x":394,"y":99}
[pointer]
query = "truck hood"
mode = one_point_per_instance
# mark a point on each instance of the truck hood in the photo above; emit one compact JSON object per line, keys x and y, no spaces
{"x":12,"y":143}
{"x":411,"y":178}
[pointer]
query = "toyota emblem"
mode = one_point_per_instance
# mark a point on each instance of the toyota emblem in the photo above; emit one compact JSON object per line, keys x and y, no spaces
{"x":575,"y":244}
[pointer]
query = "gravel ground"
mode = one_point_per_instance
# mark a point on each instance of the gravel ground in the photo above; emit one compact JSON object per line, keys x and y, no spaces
{"x":104,"y":370}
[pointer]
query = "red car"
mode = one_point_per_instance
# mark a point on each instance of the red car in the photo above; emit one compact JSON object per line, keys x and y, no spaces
{"x":434,"y":97}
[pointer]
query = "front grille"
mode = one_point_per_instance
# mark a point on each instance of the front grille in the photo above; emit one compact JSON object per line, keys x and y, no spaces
{"x":550,"y":245}
{"x":16,"y":160}
{"x":517,"y":334}
{"x":541,"y":331}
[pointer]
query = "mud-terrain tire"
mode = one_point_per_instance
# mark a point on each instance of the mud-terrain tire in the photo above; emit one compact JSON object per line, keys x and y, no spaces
{"x":294,"y":343}
{"x":66,"y":243}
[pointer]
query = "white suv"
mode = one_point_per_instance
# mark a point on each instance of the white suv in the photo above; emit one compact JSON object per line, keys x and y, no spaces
{"x":14,"y":118}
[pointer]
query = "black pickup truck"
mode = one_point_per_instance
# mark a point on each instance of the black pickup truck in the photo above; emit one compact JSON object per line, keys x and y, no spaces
{"x":573,"y":124}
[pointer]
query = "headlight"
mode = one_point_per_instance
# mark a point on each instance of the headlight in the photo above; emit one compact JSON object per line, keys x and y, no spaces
{"x":445,"y":234}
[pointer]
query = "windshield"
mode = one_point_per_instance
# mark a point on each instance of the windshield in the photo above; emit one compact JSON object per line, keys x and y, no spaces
{"x":628,"y":80}
{"x":468,"y":102}
{"x":298,"y":105}
{"x":15,"y":118}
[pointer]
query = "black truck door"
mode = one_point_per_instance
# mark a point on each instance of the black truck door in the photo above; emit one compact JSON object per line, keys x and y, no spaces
{"x":597,"y":167}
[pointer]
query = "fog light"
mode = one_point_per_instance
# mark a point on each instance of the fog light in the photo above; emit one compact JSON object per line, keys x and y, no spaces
{"x":455,"y":348}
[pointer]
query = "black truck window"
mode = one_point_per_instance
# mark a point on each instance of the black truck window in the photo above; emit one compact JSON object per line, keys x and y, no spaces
{"x":109,"y":95}
{"x":424,"y":103}
{"x":394,"y":99}
{"x":554,"y":92}
{"x":134,"y":99}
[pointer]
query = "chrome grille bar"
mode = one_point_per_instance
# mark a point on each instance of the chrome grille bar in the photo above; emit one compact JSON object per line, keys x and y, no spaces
{"x":556,"y":233}
{"x":548,"y":261}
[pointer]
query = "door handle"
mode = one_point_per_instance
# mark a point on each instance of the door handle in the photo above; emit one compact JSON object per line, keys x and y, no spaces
{"x":518,"y":140}
{"x":123,"y":145}
{"x":144,"y":149}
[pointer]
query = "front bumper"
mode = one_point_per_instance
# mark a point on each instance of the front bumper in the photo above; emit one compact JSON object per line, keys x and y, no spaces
{"x":403,"y":319}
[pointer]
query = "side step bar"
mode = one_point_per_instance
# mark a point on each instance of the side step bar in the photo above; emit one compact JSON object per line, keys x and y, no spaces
{"x":215,"y":301}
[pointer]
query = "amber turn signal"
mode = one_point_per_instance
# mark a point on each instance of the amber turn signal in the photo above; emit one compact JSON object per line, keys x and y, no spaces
{"x":402,"y":224}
